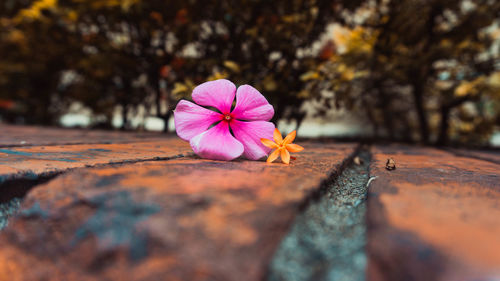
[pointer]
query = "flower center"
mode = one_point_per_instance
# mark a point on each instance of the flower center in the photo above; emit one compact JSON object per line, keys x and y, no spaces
{"x":227,"y":117}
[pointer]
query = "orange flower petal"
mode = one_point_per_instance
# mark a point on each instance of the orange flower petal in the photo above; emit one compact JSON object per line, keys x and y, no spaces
{"x":285,"y":156}
{"x":294,"y":147}
{"x":273,"y":156}
{"x":290,"y":137}
{"x":277,"y":136}
{"x":269,"y":143}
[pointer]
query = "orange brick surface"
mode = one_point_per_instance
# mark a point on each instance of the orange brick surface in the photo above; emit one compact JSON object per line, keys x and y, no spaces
{"x":436,"y":217}
{"x":12,"y":136}
{"x":181,"y":219}
{"x":56,"y":158}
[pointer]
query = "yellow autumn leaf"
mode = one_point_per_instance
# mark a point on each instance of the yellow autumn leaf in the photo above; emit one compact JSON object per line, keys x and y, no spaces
{"x":72,"y":16}
{"x":494,"y":79}
{"x":446,"y":43}
{"x":97,"y":4}
{"x":253,"y":32}
{"x":310,"y":75}
{"x":16,"y":36}
{"x":357,"y":40}
{"x":466,"y":126}
{"x":347,"y":74}
{"x":468,"y":87}
{"x":361,"y":74}
{"x":341,"y":36}
{"x":179,"y":88}
{"x":269,"y":83}
{"x":464,"y":89}
{"x":232,"y":66}
{"x":341,"y":67}
{"x":291,"y":18}
{"x":304,"y":94}
{"x":35,"y":10}
{"x":218,"y":75}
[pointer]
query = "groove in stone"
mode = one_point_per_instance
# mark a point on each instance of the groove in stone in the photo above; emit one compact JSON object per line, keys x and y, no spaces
{"x":7,"y":210}
{"x":13,"y":190}
{"x":327,"y":240}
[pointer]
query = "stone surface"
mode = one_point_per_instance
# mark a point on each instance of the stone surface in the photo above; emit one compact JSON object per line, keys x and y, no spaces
{"x":327,"y":241}
{"x":7,"y":210}
{"x":181,"y":219}
{"x":436,"y":217}
{"x":12,"y":136}
{"x":486,"y":155}
{"x":18,"y":162}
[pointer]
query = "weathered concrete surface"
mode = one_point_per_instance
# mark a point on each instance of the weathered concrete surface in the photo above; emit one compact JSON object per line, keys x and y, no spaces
{"x":182,"y":219}
{"x":17,"y":162}
{"x":12,"y":136}
{"x":327,"y":241}
{"x":486,"y":155}
{"x":436,"y":217}
{"x":7,"y":210}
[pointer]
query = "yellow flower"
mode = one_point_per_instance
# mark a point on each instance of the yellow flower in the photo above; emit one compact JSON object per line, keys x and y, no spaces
{"x":282,"y":146}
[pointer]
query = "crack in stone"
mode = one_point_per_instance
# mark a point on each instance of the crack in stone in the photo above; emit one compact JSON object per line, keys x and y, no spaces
{"x":17,"y":145}
{"x":7,"y":210}
{"x":327,"y":241}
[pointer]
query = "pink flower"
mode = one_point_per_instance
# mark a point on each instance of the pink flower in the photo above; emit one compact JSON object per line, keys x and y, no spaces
{"x":230,"y":133}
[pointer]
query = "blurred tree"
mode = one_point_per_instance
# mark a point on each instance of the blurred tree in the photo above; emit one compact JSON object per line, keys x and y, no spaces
{"x":36,"y":48}
{"x":148,"y":54}
{"x":263,"y":43}
{"x":129,"y":50}
{"x":266,"y":45}
{"x":410,"y":64}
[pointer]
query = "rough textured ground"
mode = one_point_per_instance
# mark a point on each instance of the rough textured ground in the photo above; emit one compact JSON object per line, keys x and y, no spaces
{"x":327,"y":240}
{"x":12,"y":136}
{"x":122,"y":206}
{"x":436,"y":217}
{"x":7,"y":210}
{"x":56,"y":158}
{"x":485,"y":155}
{"x":186,"y":218}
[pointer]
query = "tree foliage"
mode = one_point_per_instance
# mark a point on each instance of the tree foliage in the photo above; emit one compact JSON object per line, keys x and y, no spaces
{"x":147,"y":54}
{"x":420,"y":70}
{"x":416,"y":70}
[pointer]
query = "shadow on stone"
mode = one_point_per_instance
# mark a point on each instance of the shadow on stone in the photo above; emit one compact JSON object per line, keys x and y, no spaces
{"x":13,"y":189}
{"x":327,"y":240}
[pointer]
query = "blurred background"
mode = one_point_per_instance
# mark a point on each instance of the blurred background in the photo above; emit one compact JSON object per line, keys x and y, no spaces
{"x":424,"y":71}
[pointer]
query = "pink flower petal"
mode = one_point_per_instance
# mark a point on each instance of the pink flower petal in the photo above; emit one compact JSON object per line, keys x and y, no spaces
{"x":251,"y":105}
{"x":219,"y":94}
{"x":250,"y":133}
{"x":191,"y":119}
{"x":217,"y":143}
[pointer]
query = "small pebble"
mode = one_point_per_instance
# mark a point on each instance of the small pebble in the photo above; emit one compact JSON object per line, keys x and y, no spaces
{"x":357,"y":160}
{"x":391,"y":164}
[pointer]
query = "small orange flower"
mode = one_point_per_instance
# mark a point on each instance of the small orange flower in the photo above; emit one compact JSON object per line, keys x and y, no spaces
{"x":282,"y":146}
